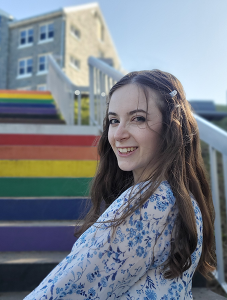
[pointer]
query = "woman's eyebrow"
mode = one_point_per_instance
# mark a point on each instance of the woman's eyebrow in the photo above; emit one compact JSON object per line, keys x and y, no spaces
{"x":130,"y":113}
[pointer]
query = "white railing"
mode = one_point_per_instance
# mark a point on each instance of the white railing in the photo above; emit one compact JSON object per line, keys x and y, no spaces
{"x":102,"y":78}
{"x":216,"y":138}
{"x":63,"y":92}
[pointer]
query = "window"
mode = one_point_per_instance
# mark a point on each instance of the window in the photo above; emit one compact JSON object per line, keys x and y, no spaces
{"x":74,"y":62}
{"x":26,"y":37}
{"x":25,"y":67}
{"x":75,"y":32}
{"x":46,"y":32}
{"x":42,"y":63}
{"x":41,"y":87}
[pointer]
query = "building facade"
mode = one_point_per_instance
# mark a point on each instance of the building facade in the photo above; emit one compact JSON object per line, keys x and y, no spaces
{"x":70,"y":34}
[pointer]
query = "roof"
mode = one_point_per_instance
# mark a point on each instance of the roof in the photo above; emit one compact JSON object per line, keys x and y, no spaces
{"x":5,"y":14}
{"x":40,"y":17}
{"x":52,"y":14}
{"x":80,"y":7}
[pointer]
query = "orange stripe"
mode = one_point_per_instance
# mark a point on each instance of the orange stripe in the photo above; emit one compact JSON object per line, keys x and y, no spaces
{"x":24,"y":92}
{"x":48,"y":152}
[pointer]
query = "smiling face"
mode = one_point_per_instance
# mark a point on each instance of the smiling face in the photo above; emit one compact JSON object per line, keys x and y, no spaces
{"x":134,"y":130}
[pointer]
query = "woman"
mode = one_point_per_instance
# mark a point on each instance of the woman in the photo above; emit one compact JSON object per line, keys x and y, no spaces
{"x":158,"y":223}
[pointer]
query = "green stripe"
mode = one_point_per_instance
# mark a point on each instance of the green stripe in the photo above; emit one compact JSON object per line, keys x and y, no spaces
{"x":6,"y":100}
{"x":44,"y":187}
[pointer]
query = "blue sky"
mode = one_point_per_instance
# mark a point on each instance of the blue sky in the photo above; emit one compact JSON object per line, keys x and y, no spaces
{"x":187,"y":38}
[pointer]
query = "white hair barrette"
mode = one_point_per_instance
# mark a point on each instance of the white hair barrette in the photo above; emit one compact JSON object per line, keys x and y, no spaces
{"x":173,"y":93}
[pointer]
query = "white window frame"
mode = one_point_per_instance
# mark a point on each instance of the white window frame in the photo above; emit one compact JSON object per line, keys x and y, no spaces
{"x":27,"y":44}
{"x":47,"y":39}
{"x":43,"y":72}
{"x":72,"y":64}
{"x":72,"y":31}
{"x":40,"y":86}
{"x":26,"y":74}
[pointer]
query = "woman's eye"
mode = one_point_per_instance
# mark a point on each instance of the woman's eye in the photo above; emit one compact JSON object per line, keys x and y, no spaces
{"x":139,"y":119}
{"x":113,"y":121}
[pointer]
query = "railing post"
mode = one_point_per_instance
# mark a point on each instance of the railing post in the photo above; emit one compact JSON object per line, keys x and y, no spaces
{"x":79,"y":109}
{"x":217,"y":224}
{"x":91,"y":94}
{"x":224,"y":157}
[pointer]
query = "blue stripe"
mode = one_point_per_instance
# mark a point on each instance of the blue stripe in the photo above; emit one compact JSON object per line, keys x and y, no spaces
{"x":27,"y":105}
{"x":42,"y":209}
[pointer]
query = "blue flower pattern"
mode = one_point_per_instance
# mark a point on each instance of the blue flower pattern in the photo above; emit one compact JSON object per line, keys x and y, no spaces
{"x":125,"y":264}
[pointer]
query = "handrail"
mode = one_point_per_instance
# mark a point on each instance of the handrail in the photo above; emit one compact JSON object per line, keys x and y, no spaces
{"x":215,"y":136}
{"x":63,"y":91}
{"x":102,"y":77}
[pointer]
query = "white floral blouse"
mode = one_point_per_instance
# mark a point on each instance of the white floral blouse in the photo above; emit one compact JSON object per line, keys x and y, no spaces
{"x":127,"y":265}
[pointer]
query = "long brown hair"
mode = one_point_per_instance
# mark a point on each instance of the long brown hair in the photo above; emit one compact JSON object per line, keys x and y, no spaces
{"x":179,"y":161}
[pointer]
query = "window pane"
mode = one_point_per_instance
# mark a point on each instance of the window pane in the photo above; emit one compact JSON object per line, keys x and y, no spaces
{"x":29,"y":69}
{"x":21,"y":71}
{"x":23,"y":37}
{"x":42,"y":36}
{"x":51,"y":27}
{"x":29,"y":62}
{"x":21,"y":63}
{"x":42,"y":63}
{"x":42,"y":59}
{"x":30,"y":39}
{"x":23,"y":33}
{"x":51,"y":30}
{"x":43,"y":32}
{"x":22,"y":41}
{"x":43,"y":29}
{"x":30,"y":32}
{"x":30,"y":36}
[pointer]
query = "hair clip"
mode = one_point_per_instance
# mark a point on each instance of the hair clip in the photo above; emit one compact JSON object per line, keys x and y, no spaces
{"x":173,"y":93}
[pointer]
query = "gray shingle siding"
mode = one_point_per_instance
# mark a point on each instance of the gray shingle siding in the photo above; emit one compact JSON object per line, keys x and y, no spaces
{"x":33,"y":51}
{"x":4,"y":35}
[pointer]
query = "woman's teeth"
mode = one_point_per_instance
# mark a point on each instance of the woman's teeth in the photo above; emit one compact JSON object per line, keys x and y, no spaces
{"x":125,"y":150}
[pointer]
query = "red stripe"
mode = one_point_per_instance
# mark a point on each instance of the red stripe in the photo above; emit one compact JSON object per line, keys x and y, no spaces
{"x":24,"y":92}
{"x":45,"y":139}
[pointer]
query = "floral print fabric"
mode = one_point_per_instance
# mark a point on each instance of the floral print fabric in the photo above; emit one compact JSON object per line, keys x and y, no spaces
{"x":127,"y":264}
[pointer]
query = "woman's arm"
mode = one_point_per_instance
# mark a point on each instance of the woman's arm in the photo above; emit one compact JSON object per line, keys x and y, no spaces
{"x":105,"y":266}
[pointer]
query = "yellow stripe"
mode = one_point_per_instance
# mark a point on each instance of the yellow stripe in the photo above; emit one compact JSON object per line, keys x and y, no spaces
{"x":26,"y":96}
{"x":47,"y":168}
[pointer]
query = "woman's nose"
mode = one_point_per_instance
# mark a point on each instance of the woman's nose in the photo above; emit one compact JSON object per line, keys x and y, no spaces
{"x":121,"y":132}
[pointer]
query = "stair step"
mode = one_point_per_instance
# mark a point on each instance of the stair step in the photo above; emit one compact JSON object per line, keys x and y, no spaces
{"x":32,"y":257}
{"x":25,"y":209}
{"x":31,"y":121}
{"x":23,"y":271}
{"x":37,"y":235}
{"x":48,"y":152}
{"x":29,"y":116}
{"x":28,"y":110}
{"x":44,"y":187}
{"x":47,"y":139}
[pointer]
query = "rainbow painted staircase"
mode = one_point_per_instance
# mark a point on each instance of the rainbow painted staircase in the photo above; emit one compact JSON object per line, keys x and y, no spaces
{"x":35,"y":107}
{"x":44,"y":182}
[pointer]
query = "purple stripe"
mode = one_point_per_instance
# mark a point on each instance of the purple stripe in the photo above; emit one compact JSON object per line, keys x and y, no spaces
{"x":25,"y":110}
{"x":40,"y":238}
